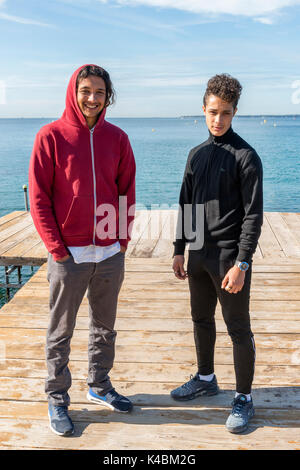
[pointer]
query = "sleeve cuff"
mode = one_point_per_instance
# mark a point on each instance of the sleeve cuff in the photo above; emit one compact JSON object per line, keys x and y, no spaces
{"x":179,"y":248}
{"x":244,"y":256}
{"x":59,"y":253}
{"x":124,"y":243}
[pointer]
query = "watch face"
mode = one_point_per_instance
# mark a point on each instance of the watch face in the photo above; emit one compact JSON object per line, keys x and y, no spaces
{"x":244,"y":266}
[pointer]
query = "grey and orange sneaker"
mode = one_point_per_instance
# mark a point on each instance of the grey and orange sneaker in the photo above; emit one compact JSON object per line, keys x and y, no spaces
{"x":242,"y":412}
{"x":195,"y":388}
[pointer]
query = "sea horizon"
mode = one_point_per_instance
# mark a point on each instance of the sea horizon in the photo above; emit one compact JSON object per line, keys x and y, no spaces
{"x":161,"y":117}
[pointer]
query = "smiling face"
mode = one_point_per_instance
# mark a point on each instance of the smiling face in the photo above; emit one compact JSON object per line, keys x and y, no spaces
{"x":218,"y":114}
{"x":91,"y":98}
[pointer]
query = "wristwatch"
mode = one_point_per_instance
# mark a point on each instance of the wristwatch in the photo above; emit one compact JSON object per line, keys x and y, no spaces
{"x":242,"y":265}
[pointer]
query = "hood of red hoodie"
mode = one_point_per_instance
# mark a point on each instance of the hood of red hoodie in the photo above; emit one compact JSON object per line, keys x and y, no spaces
{"x":72,"y":113}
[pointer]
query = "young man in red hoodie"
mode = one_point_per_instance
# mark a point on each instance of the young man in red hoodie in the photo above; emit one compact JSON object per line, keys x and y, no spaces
{"x":80,"y":167}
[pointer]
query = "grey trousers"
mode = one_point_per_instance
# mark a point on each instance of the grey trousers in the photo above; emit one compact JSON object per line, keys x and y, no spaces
{"x":68,"y":284}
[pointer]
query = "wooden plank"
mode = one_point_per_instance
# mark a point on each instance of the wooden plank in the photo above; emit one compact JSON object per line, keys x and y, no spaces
{"x":14,"y":227}
{"x":11,"y":216}
{"x":146,"y":244}
{"x":167,"y":283}
{"x":161,"y":265}
{"x":147,"y":324}
{"x":38,"y":411}
{"x":14,"y":239}
{"x":37,"y":255}
{"x":144,"y":353}
{"x":37,"y":250}
{"x":258,"y":253}
{"x":96,"y":429}
{"x":134,"y":278}
{"x":164,"y":246}
{"x":284,"y":235}
{"x":147,"y":292}
{"x":148,"y":394}
{"x":292,"y":220}
{"x":157,"y":338}
{"x":8,"y":227}
{"x":23,"y":246}
{"x":167,"y":308}
{"x":158,"y":265}
{"x":268,"y":242}
{"x":287,"y":375}
{"x":140,"y":229}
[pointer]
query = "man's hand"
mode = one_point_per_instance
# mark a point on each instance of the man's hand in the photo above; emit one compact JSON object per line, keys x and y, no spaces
{"x":123,"y":249}
{"x":178,"y":267}
{"x":233,"y":282}
{"x":61,"y":260}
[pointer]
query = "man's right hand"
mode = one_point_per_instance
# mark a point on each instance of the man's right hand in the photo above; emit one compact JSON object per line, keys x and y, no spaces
{"x":61,"y":260}
{"x":178,"y":267}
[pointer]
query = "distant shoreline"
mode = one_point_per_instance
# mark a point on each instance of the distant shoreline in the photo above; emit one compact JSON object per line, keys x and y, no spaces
{"x":172,"y":117}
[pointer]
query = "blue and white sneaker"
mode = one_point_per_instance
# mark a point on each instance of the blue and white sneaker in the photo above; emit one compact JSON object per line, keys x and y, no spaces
{"x":242,"y":412}
{"x":60,"y":421}
{"x":112,"y":400}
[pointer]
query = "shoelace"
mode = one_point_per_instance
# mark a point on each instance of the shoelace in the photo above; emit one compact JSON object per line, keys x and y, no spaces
{"x":189,"y":383}
{"x":115,"y":395}
{"x":60,"y":411}
{"x":238,"y":408}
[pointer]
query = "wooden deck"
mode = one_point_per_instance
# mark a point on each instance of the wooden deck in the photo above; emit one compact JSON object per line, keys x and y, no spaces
{"x":155,"y":351}
{"x":152,"y":237}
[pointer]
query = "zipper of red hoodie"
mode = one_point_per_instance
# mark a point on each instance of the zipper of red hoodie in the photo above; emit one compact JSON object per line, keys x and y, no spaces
{"x":94,"y":181}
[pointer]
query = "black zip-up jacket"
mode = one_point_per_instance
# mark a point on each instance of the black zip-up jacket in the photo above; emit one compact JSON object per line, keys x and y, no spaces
{"x":225,"y":175}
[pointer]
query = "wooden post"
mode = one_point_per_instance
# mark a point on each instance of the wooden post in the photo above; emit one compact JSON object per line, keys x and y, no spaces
{"x":25,"y":197}
{"x":7,"y":283}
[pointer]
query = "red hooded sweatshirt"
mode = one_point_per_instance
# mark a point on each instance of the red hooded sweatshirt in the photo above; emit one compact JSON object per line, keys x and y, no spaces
{"x":73,"y":171}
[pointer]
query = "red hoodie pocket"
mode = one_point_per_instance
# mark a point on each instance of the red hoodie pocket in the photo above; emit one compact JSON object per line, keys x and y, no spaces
{"x":80,"y":218}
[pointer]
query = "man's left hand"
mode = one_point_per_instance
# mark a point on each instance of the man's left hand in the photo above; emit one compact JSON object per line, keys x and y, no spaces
{"x":233,"y":282}
{"x":123,"y":249}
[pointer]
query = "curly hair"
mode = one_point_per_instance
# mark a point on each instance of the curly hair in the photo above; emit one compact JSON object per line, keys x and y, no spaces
{"x":225,"y":87}
{"x":98,"y":72}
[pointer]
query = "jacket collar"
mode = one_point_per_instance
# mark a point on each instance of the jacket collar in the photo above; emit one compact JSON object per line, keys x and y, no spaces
{"x":222,"y":139}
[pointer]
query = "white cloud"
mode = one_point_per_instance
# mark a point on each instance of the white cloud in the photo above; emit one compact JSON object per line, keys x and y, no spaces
{"x":249,"y":8}
{"x":265,"y":20}
{"x":18,"y":19}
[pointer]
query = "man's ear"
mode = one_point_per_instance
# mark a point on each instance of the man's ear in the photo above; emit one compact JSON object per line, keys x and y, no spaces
{"x":235,"y":111}
{"x":204,"y":109}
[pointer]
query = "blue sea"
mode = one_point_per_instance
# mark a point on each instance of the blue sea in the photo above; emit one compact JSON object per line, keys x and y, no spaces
{"x":161,"y":146}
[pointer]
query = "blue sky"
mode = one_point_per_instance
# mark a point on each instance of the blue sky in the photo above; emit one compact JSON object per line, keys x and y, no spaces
{"x":160,"y":53}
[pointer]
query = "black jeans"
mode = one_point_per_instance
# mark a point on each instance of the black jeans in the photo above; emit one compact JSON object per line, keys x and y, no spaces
{"x":205,"y":278}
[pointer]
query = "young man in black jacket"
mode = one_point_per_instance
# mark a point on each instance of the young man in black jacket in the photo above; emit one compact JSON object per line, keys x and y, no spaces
{"x":224,"y":176}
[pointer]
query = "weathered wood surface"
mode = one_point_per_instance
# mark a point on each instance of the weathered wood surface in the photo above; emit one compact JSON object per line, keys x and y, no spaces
{"x":154,"y":354}
{"x":152,"y":237}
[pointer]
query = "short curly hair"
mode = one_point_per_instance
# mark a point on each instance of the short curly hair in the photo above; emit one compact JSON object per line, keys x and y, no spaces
{"x":225,"y":87}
